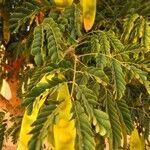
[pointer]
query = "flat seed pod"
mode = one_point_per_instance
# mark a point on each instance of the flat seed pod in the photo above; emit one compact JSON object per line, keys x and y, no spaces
{"x":28,"y":120}
{"x":64,"y":129}
{"x":89,"y":12}
{"x":135,"y":143}
{"x":63,"y":3}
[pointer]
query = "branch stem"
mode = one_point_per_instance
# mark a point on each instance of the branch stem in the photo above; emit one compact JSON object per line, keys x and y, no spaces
{"x":74,"y":75}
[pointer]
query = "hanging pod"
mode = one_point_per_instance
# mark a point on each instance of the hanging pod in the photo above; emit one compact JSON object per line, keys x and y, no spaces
{"x":28,"y":119}
{"x":63,"y":3}
{"x":63,"y":131}
{"x":89,"y":12}
{"x":136,"y":142}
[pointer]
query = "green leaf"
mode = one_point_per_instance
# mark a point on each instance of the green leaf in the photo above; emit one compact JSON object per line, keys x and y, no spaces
{"x":36,"y":129}
{"x":54,"y":81}
{"x":82,"y":79}
{"x":140,"y":27}
{"x":2,"y":133}
{"x":96,"y":87}
{"x":38,"y":59}
{"x":17,"y":15}
{"x":73,"y":15}
{"x":77,"y":17}
{"x":28,"y":101}
{"x":37,"y":45}
{"x":88,"y":98}
{"x":124,"y":110}
{"x":95,"y":45}
{"x":118,"y":78}
{"x":54,"y":39}
{"x":115,"y":137}
{"x":30,"y":6}
{"x":37,"y":90}
{"x":129,"y":25}
{"x":85,"y":139}
{"x":86,"y":94}
{"x":40,"y":126}
{"x":146,"y":36}
{"x":104,"y":42}
{"x":98,"y":74}
{"x":114,"y":41}
{"x":141,"y":76}
{"x":38,"y":40}
{"x":101,"y":119}
{"x":25,"y":10}
{"x":22,"y":14}
{"x":101,"y":61}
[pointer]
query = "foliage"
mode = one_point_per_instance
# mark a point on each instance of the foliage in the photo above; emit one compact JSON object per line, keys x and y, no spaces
{"x":2,"y":129}
{"x":101,"y":76}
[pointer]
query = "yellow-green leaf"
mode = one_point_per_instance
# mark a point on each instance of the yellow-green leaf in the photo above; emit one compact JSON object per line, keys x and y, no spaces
{"x":129,"y":25}
{"x":146,"y":36}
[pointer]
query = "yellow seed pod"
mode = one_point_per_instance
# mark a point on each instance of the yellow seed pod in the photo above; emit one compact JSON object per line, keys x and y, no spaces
{"x":27,"y":120}
{"x":64,"y":129}
{"x":63,"y":3}
{"x":89,"y":12}
{"x":135,"y":142}
{"x":63,"y":133}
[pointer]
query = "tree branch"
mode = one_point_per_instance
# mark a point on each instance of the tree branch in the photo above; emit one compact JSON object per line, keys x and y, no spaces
{"x":5,"y":104}
{"x":13,"y":84}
